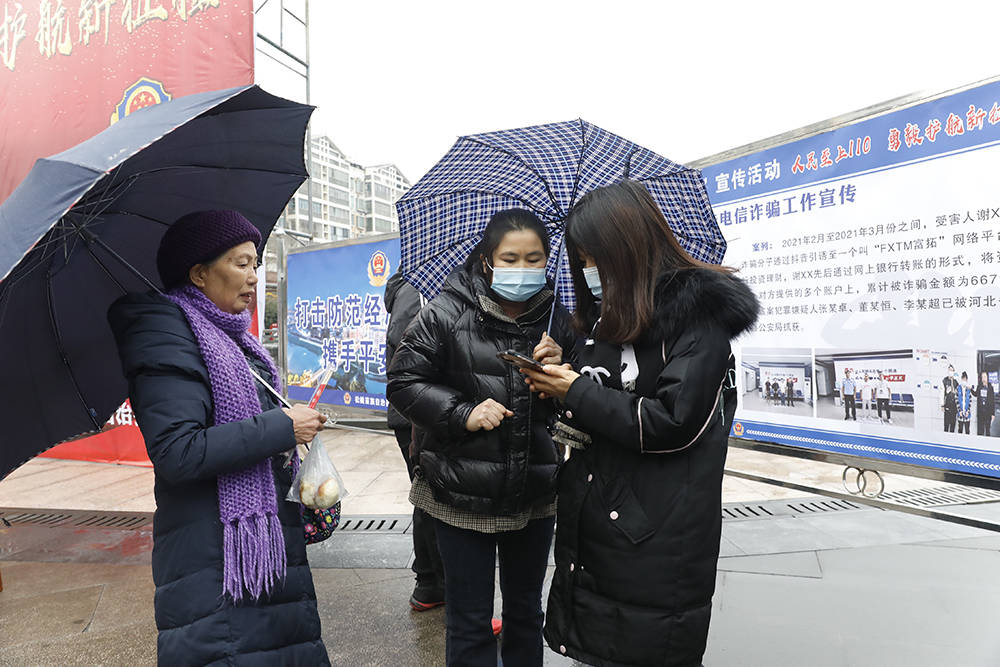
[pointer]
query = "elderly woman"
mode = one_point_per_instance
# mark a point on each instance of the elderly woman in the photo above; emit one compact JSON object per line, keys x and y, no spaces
{"x":233,"y":585}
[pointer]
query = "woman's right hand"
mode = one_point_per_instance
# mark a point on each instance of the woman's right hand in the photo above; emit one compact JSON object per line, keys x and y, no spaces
{"x":487,"y":416}
{"x":306,"y":422}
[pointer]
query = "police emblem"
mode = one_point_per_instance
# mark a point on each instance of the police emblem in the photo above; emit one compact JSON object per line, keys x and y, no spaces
{"x":347,"y":398}
{"x":738,"y":429}
{"x":378,"y":269}
{"x":141,"y":94}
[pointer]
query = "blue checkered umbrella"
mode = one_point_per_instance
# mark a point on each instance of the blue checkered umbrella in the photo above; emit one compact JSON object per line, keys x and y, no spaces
{"x":544,"y":168}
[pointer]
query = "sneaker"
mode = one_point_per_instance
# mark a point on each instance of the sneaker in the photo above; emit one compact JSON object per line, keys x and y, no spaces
{"x":497,"y":626}
{"x":426,"y":597}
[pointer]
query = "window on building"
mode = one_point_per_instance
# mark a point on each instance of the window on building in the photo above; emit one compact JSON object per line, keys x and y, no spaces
{"x":340,"y":214}
{"x":340,"y":177}
{"x":382,"y":209}
{"x":340,"y":196}
{"x":382,"y":192}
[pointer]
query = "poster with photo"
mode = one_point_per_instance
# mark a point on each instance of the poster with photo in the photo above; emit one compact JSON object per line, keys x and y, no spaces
{"x":778,"y":380}
{"x":876,"y":246}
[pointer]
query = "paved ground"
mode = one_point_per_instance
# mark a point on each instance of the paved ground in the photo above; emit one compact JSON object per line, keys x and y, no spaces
{"x":812,"y":583}
{"x":373,"y":472}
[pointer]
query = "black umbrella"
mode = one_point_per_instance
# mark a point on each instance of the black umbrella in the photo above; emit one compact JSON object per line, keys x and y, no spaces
{"x":83,"y":228}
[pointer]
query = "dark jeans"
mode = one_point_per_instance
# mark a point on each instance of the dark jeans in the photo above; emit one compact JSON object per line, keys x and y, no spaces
{"x":963,"y":427}
{"x":883,"y":403}
{"x":426,"y":559}
{"x":469,"y":566}
{"x":850,"y":409}
{"x":791,"y":399}
{"x":983,"y":420}
{"x":950,"y":415}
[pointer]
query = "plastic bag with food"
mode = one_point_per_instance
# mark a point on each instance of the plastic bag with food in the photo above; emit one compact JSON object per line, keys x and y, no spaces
{"x":317,"y":484}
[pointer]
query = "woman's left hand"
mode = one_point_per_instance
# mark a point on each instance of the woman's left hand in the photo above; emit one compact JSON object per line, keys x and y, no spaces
{"x":555,"y":381}
{"x":547,"y":351}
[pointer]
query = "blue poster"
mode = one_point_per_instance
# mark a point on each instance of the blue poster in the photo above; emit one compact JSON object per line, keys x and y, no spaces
{"x":337,"y":321}
{"x":873,"y":250}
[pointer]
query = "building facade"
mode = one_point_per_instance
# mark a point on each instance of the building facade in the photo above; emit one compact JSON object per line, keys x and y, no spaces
{"x":348,"y":200}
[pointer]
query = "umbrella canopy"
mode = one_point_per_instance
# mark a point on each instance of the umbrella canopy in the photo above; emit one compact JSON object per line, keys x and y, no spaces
{"x":544,"y":168}
{"x":83,"y":227}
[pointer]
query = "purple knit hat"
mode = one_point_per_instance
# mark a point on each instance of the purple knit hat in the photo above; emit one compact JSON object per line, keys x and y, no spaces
{"x":199,"y":237}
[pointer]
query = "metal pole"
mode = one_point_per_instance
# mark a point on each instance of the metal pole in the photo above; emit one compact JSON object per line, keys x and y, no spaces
{"x":282,"y":295}
{"x":309,"y":141}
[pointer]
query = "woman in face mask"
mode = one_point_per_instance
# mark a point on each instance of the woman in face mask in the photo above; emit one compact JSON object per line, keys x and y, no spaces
{"x":486,"y":462}
{"x":651,"y":403}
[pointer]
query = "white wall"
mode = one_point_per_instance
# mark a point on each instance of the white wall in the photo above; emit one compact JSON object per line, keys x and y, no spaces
{"x":784,"y":372}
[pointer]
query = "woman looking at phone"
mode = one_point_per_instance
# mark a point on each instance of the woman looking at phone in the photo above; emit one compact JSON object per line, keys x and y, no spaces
{"x":486,"y":462}
{"x":640,"y":505}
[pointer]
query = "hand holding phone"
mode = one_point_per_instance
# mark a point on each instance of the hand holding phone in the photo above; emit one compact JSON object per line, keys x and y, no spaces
{"x":520,"y":360}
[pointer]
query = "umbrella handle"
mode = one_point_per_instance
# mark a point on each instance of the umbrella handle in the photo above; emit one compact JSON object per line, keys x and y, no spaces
{"x":555,"y":292}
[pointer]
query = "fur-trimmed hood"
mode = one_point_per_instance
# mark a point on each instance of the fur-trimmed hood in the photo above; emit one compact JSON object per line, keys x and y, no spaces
{"x":692,"y":297}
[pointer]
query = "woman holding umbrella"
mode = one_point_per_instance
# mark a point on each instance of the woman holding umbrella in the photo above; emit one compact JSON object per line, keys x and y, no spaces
{"x":640,"y":503}
{"x":232,"y":581}
{"x":487,"y":464}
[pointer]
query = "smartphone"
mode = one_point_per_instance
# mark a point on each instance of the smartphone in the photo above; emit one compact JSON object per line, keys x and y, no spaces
{"x":519,"y":360}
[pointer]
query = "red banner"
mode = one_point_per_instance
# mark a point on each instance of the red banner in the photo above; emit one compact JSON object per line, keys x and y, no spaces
{"x":120,"y":442}
{"x":71,"y":68}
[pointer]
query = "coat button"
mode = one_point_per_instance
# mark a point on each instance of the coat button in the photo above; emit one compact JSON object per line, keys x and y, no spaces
{"x":569,"y":414}
{"x":572,"y":566}
{"x":614,"y":515}
{"x":562,"y":648}
{"x":590,"y":478}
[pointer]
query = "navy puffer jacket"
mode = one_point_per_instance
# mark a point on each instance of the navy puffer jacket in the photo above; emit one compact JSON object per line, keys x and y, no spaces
{"x":172,"y":399}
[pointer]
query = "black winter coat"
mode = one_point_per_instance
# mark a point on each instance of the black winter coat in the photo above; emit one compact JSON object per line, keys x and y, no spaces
{"x":639,"y":517}
{"x":403,"y":302}
{"x":986,"y":400}
{"x":172,"y":398}
{"x":447,"y":364}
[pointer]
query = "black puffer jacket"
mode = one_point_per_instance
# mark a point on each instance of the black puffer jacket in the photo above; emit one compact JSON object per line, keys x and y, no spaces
{"x":639,"y":516}
{"x":172,"y":398}
{"x":403,"y":302}
{"x":445,"y":365}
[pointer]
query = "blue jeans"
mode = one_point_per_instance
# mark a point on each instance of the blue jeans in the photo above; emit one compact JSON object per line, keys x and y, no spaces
{"x":469,"y":565}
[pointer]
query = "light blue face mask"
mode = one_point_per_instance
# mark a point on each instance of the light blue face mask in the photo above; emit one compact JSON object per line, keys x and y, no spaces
{"x":517,"y":283}
{"x":593,"y":279}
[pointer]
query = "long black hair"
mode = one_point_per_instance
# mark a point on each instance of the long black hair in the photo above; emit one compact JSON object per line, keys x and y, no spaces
{"x":623,"y":229}
{"x":509,"y":220}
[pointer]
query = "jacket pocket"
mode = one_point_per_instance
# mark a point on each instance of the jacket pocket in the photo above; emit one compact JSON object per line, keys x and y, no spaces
{"x":625,"y":511}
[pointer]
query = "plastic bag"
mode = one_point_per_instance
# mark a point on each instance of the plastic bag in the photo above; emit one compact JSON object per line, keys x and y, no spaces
{"x":317,"y":485}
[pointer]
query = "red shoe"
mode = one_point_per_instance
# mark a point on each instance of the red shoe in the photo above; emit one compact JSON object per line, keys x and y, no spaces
{"x":497,"y":626}
{"x":426,"y":597}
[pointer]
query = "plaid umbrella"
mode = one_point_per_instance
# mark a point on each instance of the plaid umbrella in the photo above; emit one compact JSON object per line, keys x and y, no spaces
{"x":544,"y":168}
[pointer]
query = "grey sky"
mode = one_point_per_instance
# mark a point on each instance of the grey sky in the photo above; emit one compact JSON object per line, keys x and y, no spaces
{"x":399,"y":81}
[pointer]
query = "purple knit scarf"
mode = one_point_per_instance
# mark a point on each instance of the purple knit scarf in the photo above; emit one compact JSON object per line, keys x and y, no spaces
{"x":253,"y":545}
